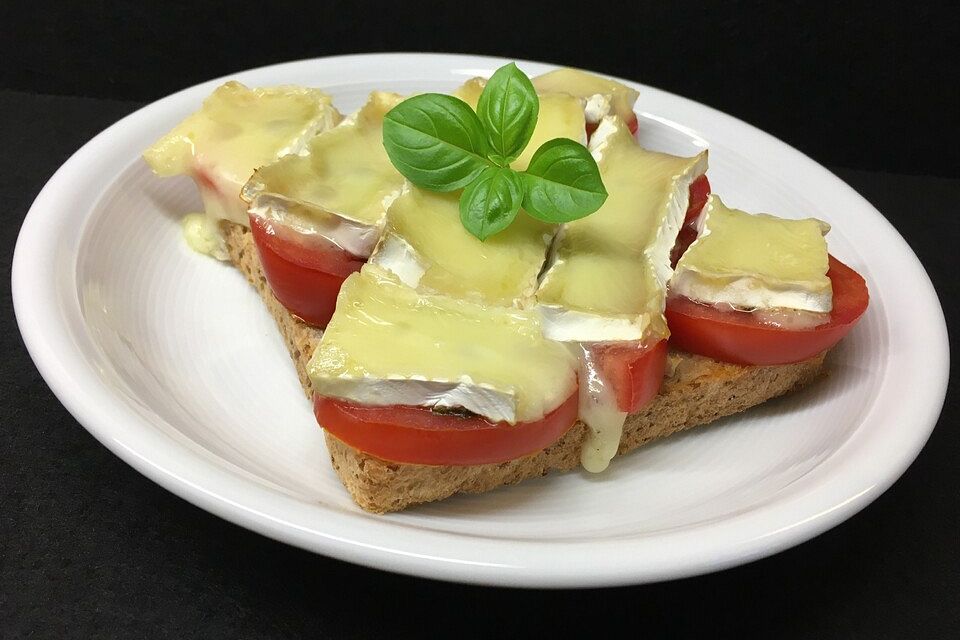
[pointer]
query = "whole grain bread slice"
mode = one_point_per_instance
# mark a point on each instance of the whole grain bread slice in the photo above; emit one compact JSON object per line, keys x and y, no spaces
{"x":697,"y":391}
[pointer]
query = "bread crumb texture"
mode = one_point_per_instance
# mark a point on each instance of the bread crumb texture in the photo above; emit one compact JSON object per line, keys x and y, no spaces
{"x":700,"y":391}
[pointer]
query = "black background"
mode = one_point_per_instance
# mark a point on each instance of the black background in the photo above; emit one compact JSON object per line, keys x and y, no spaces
{"x":866,"y":85}
{"x":88,"y":548}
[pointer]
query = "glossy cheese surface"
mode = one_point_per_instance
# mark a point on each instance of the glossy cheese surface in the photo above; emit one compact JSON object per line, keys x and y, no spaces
{"x":607,"y":277}
{"x":202,"y":234}
{"x":755,"y":261}
{"x":426,"y":245}
{"x":389,"y":344}
{"x":561,"y":116}
{"x":237,"y":130}
{"x":470,"y":91}
{"x":601,"y":94}
{"x":344,"y":180}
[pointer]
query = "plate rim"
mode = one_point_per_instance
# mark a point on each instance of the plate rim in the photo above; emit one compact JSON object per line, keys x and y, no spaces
{"x":221,"y":492}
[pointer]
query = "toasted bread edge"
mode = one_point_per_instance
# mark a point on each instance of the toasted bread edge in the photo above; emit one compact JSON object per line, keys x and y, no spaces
{"x":698,"y":391}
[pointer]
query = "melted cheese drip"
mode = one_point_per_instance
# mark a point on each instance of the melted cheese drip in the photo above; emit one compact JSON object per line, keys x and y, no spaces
{"x":237,"y":130}
{"x":202,"y":234}
{"x":426,"y":245}
{"x":598,"y":410}
{"x":388,"y":344}
{"x":608,"y":273}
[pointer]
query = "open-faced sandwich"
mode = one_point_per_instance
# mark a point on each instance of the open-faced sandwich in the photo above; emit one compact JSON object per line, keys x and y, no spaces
{"x":483,"y":287}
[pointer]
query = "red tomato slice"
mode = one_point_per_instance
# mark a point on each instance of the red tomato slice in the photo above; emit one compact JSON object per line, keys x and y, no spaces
{"x":635,"y":372}
{"x":421,"y":436}
{"x":684,"y":239}
{"x":736,"y":336}
{"x":305,"y":275}
{"x":699,"y":192}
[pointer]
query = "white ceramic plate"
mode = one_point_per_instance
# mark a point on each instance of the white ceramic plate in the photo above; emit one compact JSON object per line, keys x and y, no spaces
{"x":170,"y":360}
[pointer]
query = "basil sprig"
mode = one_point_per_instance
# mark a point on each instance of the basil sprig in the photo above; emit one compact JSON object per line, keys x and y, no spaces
{"x":440,"y":144}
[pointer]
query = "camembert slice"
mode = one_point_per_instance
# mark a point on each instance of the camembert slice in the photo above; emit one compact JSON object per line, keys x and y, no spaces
{"x":608,"y":273}
{"x":340,"y":188}
{"x":427,"y":247}
{"x":755,"y":262}
{"x":601,"y":96}
{"x":237,"y":130}
{"x":388,"y":344}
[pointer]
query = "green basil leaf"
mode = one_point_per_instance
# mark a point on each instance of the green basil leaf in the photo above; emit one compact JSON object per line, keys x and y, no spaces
{"x":436,"y":141}
{"x":508,"y":108}
{"x":489,"y":204}
{"x":562,"y":182}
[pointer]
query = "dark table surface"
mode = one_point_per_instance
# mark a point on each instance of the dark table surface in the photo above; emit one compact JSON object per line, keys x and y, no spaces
{"x":89,"y":548}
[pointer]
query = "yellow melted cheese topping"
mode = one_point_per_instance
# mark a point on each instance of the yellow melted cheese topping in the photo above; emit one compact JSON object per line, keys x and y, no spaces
{"x":425,"y":244}
{"x":343,"y":181}
{"x":756,"y":261}
{"x":202,"y":234}
{"x":616,"y":262}
{"x":586,"y":85}
{"x":387,"y":341}
{"x":237,"y":130}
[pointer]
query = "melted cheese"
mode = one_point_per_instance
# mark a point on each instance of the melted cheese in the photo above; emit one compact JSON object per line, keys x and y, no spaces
{"x":756,"y":261}
{"x":470,"y":91}
{"x":602,"y":95}
{"x":426,"y":246}
{"x":598,"y":410}
{"x":237,"y":130}
{"x":202,"y":234}
{"x":389,"y":344}
{"x":561,"y":116}
{"x":608,"y":273}
{"x":341,"y":187}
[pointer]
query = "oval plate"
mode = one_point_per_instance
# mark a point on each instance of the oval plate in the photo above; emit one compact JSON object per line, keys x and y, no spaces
{"x":172,"y":362}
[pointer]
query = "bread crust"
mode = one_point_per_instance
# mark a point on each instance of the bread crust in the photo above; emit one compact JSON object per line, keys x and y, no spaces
{"x":698,"y":391}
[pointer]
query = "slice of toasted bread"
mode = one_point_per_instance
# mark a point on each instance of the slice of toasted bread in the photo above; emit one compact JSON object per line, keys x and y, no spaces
{"x":699,"y":390}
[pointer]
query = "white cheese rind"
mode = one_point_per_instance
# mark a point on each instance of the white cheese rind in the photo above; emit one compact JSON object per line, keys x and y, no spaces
{"x":351,"y":236}
{"x":596,"y":107}
{"x":495,"y":404}
{"x":750,"y":292}
{"x":568,"y":325}
{"x":786,"y":270}
{"x":397,"y":256}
